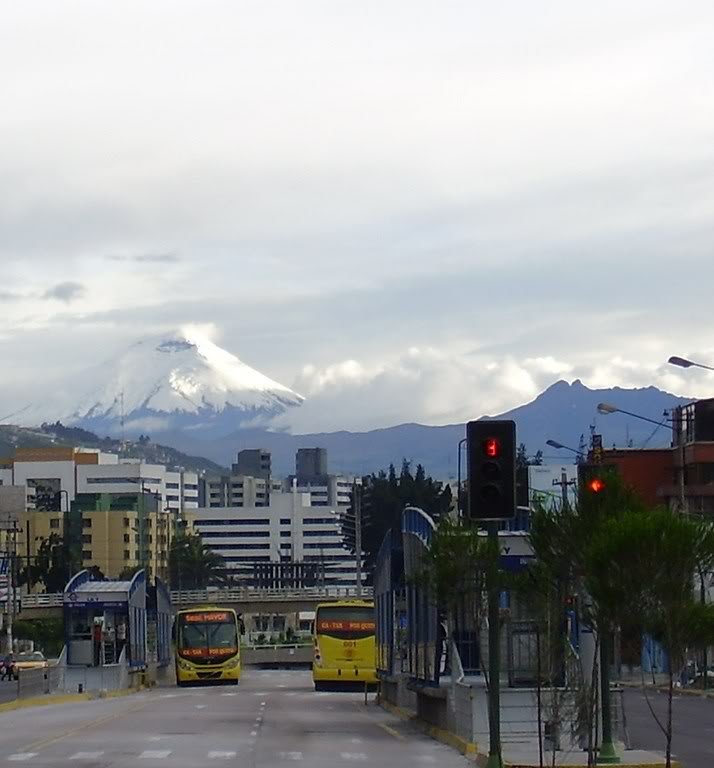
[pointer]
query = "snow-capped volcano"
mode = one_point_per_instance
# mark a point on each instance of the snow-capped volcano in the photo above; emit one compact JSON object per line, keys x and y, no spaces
{"x":178,"y":381}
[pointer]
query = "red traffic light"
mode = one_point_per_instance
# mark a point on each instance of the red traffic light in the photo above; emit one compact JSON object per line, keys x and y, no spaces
{"x":596,"y":485}
{"x":492,"y":447}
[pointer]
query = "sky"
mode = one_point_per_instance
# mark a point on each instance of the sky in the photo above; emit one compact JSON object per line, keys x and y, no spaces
{"x":406,"y":211}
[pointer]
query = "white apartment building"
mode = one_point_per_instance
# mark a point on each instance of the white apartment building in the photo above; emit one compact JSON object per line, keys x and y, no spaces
{"x":290,"y":530}
{"x":238,"y":491}
{"x":69,"y":471}
{"x":329,"y":491}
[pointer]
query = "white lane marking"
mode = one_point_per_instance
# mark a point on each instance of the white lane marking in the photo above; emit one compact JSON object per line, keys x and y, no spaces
{"x":201,"y":706}
{"x":23,"y":756}
{"x":216,"y":755}
{"x":290,"y":755}
{"x":229,"y":694}
{"x":262,"y":703}
{"x":282,"y":686}
{"x":154,"y":754}
{"x":260,"y":693}
{"x":254,"y":733}
{"x":86,"y":756}
{"x":154,"y":738}
{"x":291,"y":693}
{"x":353,"y":756}
{"x":355,"y":741}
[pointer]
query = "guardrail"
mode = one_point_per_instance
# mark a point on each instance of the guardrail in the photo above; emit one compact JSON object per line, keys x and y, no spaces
{"x":223,"y":595}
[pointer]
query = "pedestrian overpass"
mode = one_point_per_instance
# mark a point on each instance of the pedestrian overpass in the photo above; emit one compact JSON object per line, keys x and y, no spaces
{"x":247,"y":600}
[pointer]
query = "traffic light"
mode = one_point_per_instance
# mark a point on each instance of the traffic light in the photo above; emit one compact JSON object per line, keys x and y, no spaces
{"x":593,"y":479}
{"x":491,"y":447}
{"x":596,"y":485}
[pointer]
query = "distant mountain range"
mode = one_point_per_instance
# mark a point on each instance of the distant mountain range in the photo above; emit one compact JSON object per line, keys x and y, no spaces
{"x":188,"y":393}
{"x":564,"y":412}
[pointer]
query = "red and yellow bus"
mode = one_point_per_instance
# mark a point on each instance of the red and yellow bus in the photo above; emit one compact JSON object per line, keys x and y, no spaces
{"x":344,"y":649}
{"x":207,"y":643}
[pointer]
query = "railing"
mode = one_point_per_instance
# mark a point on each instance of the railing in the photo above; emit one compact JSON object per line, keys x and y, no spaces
{"x":222,"y":595}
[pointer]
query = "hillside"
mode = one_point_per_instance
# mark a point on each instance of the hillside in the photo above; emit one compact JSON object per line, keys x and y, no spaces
{"x":49,"y":435}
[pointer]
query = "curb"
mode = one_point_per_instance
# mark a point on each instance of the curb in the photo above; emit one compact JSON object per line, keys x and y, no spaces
{"x":470,"y":749}
{"x":691,"y":692}
{"x":466,"y":748}
{"x":67,"y":698}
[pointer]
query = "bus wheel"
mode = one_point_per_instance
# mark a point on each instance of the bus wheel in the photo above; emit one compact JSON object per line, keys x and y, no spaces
{"x":320,"y":686}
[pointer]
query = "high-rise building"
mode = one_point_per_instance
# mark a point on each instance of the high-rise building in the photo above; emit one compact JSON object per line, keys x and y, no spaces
{"x":253,"y":462}
{"x":310,"y":465}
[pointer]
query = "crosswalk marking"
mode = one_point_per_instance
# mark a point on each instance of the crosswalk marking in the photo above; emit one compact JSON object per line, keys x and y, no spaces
{"x":86,"y":755}
{"x":23,"y":756}
{"x":290,"y":755}
{"x":353,"y":756}
{"x":217,"y":755}
{"x":154,"y":754}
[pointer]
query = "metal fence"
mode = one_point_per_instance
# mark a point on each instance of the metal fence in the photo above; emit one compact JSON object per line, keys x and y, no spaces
{"x":223,"y":595}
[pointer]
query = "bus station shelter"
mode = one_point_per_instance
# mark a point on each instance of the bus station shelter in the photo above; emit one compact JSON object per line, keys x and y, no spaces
{"x":105,"y":621}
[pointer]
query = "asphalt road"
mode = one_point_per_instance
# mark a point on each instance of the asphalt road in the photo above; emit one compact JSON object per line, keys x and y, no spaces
{"x":693,"y":720}
{"x":271,"y":720}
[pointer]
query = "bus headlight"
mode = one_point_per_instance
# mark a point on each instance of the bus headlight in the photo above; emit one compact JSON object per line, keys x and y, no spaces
{"x":233,"y":663}
{"x":185,"y":665}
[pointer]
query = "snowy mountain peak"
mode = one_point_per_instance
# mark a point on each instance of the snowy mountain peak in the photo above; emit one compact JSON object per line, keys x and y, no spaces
{"x":176,"y":381}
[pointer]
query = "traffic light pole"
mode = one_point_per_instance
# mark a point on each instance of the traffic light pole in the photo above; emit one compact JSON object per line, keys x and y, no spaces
{"x":494,"y":655}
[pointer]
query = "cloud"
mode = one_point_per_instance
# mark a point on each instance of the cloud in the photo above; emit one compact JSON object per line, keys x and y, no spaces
{"x":146,"y":258}
{"x":68,"y":292}
{"x":10,"y":296}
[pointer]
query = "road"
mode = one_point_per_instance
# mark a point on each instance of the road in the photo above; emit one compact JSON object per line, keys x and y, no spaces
{"x":271,"y":720}
{"x":693,"y":719}
{"x":8,"y":690}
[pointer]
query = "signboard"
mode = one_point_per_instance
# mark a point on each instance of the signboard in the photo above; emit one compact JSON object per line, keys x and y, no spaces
{"x":354,"y":626}
{"x":202,"y":652}
{"x":220,"y":617}
{"x":597,"y":449}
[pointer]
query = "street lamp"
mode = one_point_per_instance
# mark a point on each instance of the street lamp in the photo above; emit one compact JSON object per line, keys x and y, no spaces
{"x":683,"y":362}
{"x":559,"y":446}
{"x":606,"y":408}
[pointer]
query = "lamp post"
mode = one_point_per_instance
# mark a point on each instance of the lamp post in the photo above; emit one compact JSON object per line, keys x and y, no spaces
{"x":462,"y":443}
{"x":559,"y":446}
{"x":683,"y":362}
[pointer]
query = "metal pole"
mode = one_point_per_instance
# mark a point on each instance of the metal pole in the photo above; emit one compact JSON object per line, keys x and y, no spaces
{"x":358,"y":537}
{"x":607,"y":755}
{"x":458,"y":476}
{"x":494,"y":655}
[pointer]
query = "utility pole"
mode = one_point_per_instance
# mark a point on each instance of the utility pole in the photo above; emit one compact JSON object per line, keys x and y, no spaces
{"x":11,"y":579}
{"x":564,"y":483}
{"x":357,"y":496}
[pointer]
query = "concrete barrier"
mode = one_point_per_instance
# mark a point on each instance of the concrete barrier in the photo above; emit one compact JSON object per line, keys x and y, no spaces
{"x":277,"y":655}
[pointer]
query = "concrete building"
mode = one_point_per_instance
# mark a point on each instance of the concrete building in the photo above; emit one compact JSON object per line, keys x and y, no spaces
{"x":253,"y":462}
{"x":236,"y":491}
{"x":289,"y":531}
{"x":113,"y":512}
{"x":310,"y":465}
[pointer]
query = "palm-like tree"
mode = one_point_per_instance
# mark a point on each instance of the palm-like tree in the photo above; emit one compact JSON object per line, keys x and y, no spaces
{"x":192,"y":566}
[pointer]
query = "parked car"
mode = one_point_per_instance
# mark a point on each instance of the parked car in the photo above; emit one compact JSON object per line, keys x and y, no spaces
{"x":30,"y":660}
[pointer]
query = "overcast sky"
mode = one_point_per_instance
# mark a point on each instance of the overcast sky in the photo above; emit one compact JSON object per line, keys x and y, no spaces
{"x":408,"y":211}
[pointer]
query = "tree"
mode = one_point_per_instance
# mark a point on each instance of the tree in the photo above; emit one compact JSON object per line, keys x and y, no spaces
{"x":388,"y":495}
{"x":50,"y":566}
{"x":128,"y":572}
{"x":652,"y":557}
{"x":563,"y":538}
{"x":192,"y":566}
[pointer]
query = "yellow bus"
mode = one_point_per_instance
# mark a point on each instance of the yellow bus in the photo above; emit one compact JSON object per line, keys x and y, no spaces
{"x":207,"y":643}
{"x":344,"y":650}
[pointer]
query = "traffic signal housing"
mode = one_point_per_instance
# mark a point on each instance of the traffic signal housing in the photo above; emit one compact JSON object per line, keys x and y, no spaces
{"x":491,"y":448}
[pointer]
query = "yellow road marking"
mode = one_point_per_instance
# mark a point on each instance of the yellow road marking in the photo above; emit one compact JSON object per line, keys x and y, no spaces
{"x":392,"y":732}
{"x":91,"y":724}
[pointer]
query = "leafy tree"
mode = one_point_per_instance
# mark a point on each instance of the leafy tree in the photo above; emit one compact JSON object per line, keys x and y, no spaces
{"x":128,"y":572}
{"x":191,"y":566}
{"x":50,"y":566}
{"x":652,"y":557}
{"x":387,"y":495}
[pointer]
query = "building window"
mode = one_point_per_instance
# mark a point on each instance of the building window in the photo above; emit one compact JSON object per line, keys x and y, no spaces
{"x":54,"y":522}
{"x":127,"y":538}
{"x":284,"y":521}
{"x":172,"y":485}
{"x":86,"y":554}
{"x":126,"y":522}
{"x":86,"y":522}
{"x":285,"y":534}
{"x":126,"y":554}
{"x":87,"y":538}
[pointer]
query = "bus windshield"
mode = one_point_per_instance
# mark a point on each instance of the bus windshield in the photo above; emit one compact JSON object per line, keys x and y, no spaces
{"x":345,"y":622}
{"x":208,"y":634}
